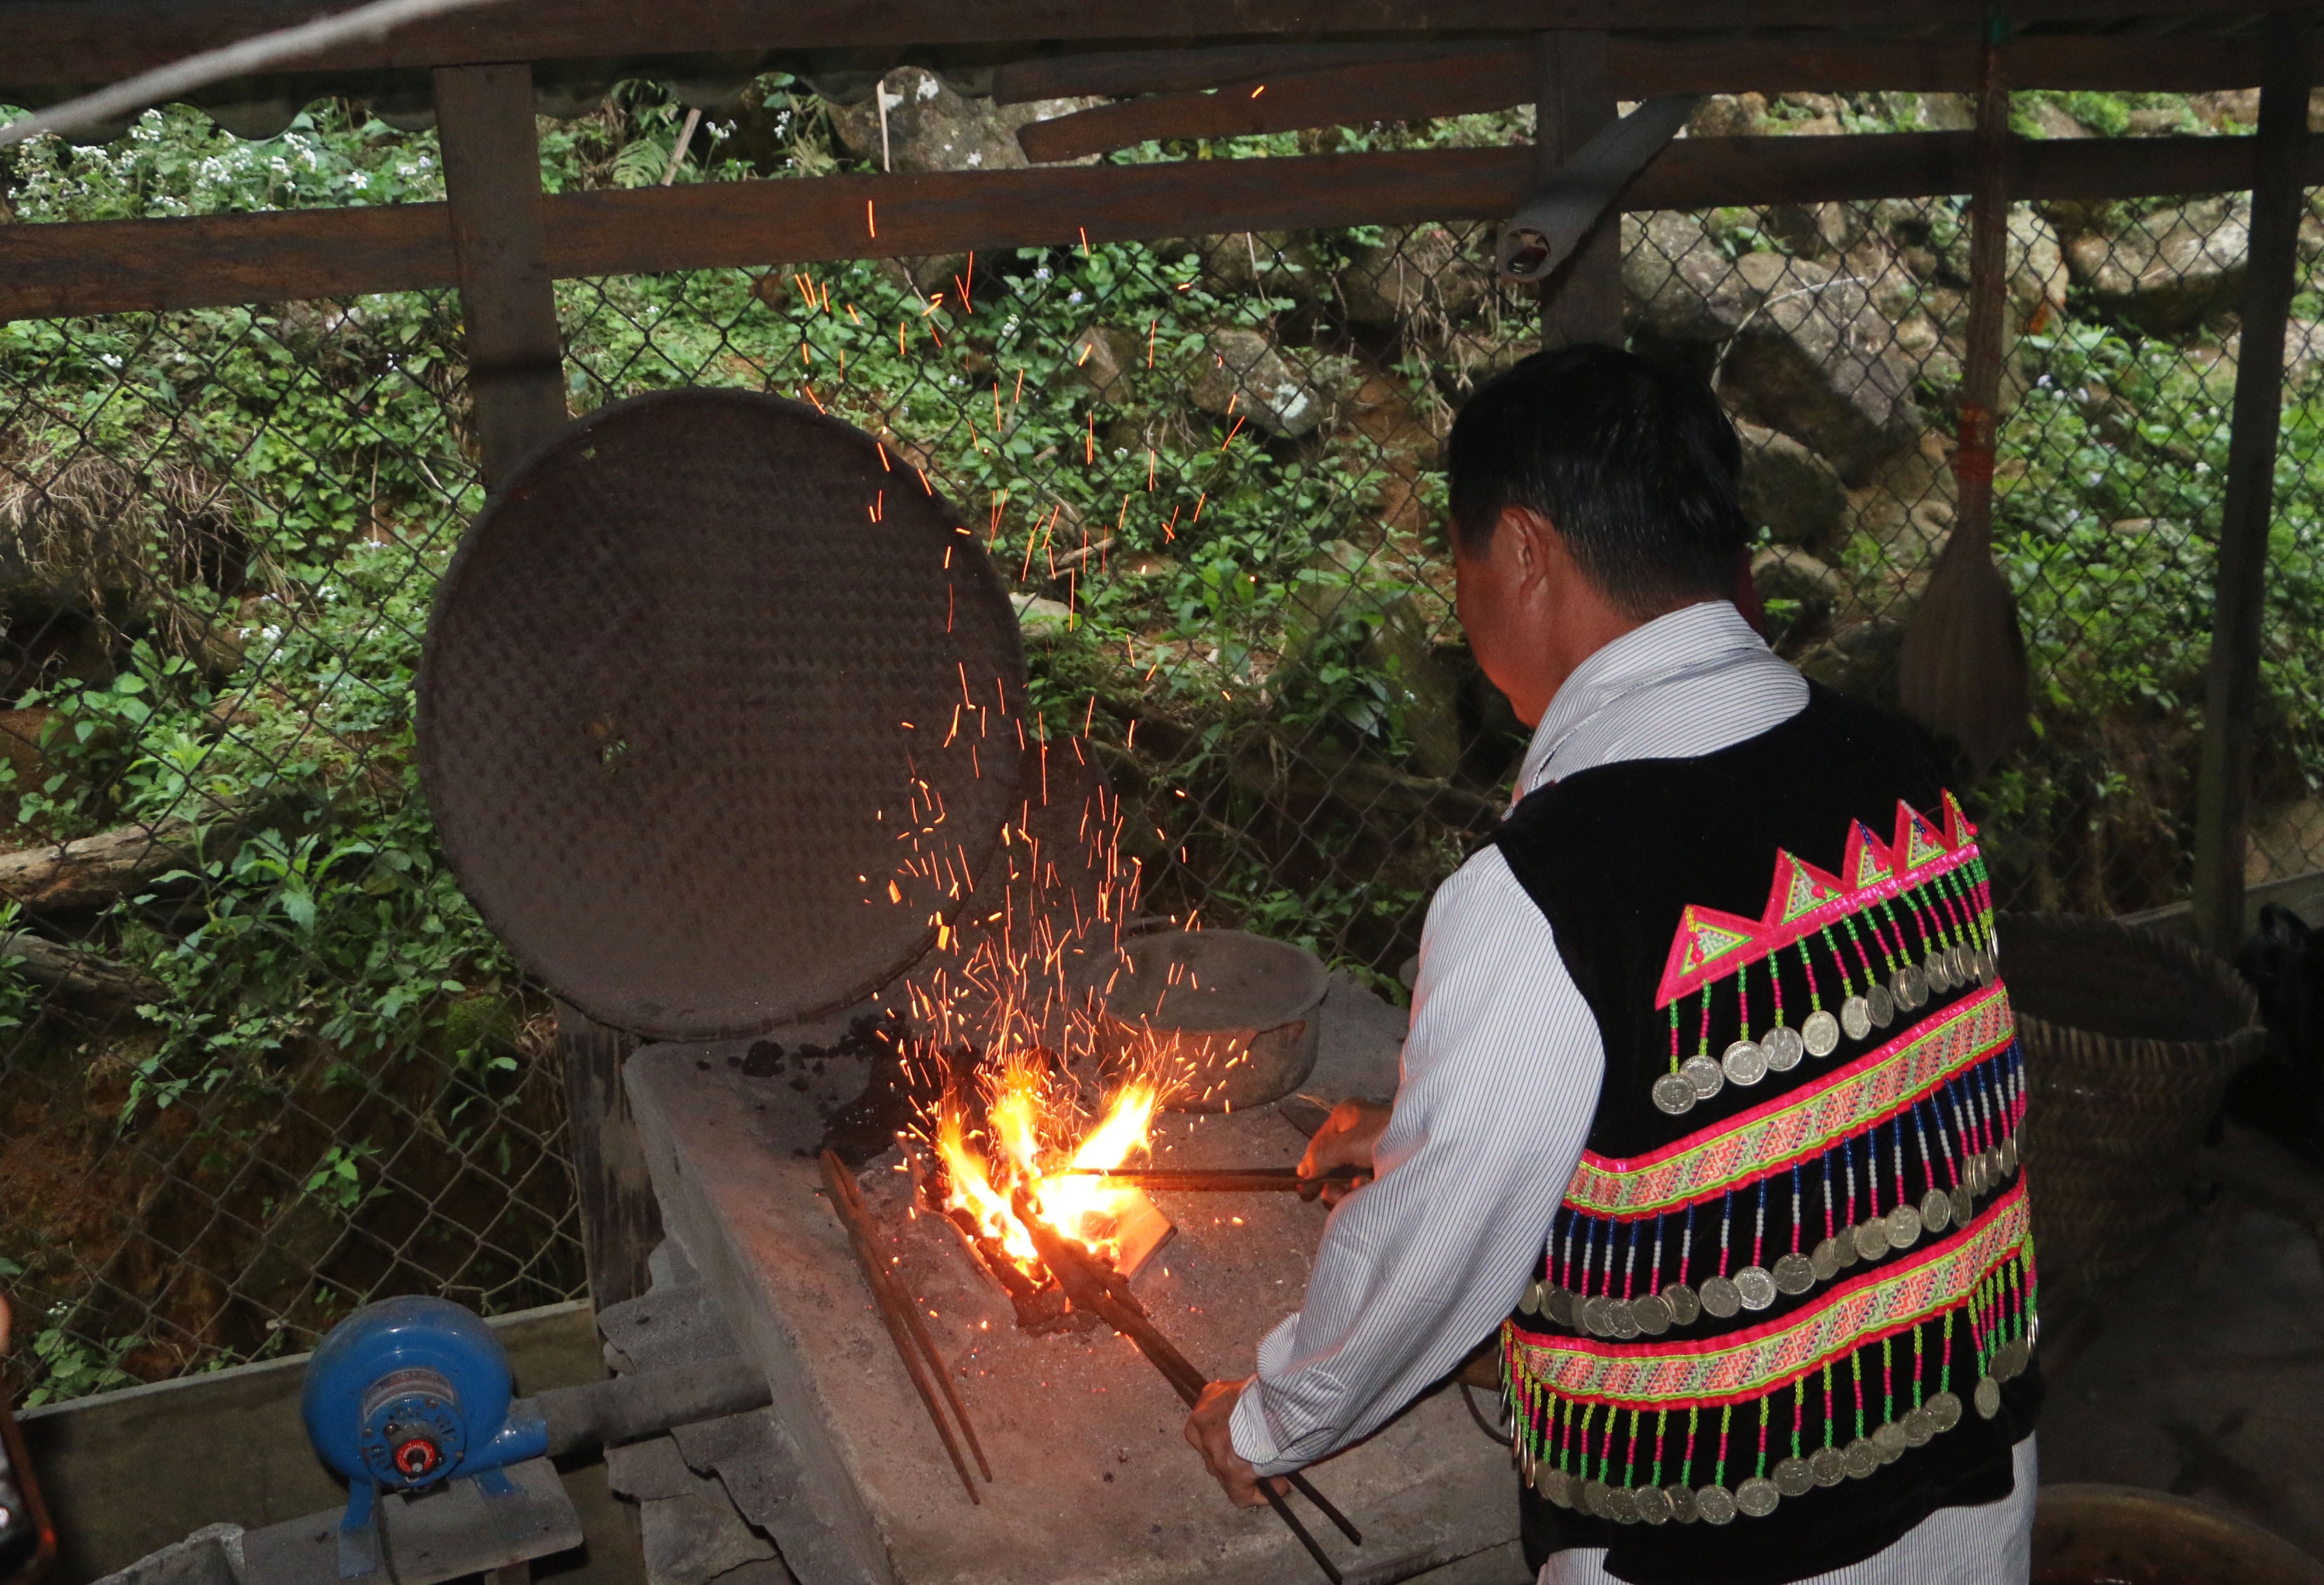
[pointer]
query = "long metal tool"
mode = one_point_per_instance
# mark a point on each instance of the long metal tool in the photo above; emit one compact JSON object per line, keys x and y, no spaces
{"x":1252,"y":1180}
{"x":1097,"y":1287}
{"x":922,"y":1363}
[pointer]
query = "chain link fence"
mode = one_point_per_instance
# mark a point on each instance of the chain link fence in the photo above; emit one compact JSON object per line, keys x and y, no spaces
{"x":259,"y":1061}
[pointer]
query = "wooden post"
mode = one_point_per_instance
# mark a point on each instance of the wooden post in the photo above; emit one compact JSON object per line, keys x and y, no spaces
{"x":492,"y":180}
{"x":621,"y":1221}
{"x":1583,"y":302}
{"x":2231,"y":689}
{"x":516,"y":379}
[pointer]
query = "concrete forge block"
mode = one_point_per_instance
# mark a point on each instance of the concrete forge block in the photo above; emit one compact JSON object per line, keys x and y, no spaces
{"x":1094,"y":1480}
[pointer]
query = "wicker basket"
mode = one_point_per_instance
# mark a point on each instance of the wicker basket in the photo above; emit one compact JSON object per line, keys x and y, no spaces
{"x":2130,"y":1040}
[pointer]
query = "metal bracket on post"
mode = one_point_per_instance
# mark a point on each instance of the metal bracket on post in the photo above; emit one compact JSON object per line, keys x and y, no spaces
{"x":2231,"y":690}
{"x":507,"y":303}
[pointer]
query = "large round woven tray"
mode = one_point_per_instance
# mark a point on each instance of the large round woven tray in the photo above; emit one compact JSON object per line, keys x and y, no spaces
{"x":686,"y":681}
{"x":2130,"y":1039}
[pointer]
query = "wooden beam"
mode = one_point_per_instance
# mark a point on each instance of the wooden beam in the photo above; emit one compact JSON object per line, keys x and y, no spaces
{"x":1487,"y":74}
{"x":94,"y":40}
{"x":508,"y":300}
{"x":54,"y":271}
{"x":1253,"y":89}
{"x":1447,"y":84}
{"x":1573,"y":101}
{"x":2231,"y":687}
{"x":118,"y":266}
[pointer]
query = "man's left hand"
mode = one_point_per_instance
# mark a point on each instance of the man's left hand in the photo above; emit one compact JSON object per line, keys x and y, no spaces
{"x":1208,"y":1430}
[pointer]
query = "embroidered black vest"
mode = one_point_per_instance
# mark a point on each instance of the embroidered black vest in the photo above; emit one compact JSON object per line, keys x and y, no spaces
{"x":1788,"y":1307}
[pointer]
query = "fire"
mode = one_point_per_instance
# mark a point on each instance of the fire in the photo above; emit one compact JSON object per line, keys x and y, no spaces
{"x":1025,"y":1116}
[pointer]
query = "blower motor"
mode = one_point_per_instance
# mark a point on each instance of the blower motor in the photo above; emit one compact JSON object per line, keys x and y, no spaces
{"x":404,"y":1394}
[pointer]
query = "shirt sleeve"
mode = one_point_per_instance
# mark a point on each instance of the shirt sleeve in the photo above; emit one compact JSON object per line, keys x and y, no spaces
{"x":1500,"y":1078}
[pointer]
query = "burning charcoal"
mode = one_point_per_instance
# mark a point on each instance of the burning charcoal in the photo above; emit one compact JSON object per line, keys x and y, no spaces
{"x":765,"y":1058}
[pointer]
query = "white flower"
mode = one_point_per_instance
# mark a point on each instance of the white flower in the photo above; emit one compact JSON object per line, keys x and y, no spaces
{"x":1042,"y":273}
{"x":1074,"y":295}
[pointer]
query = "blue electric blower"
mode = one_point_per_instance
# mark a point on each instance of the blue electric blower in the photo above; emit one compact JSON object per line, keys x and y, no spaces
{"x":407,"y":1393}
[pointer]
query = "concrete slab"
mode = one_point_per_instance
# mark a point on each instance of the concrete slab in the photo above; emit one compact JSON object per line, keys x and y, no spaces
{"x":2207,"y":1378}
{"x":1094,"y":1480}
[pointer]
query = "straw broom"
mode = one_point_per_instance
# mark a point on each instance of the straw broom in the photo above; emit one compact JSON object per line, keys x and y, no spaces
{"x":1963,"y":667}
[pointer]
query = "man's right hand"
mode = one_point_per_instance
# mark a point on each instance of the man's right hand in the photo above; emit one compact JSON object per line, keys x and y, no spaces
{"x":1345,"y":1140}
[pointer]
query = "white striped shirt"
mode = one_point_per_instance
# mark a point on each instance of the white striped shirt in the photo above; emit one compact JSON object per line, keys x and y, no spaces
{"x":1500,"y":1074}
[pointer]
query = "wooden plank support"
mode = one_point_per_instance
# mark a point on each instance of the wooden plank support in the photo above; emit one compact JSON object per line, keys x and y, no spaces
{"x":98,"y":40}
{"x":1582,"y":301}
{"x":508,"y":299}
{"x":119,"y":266}
{"x":2232,"y":684}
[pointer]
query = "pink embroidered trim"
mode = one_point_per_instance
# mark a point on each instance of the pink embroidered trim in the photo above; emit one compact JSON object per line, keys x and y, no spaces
{"x":1734,"y":1367}
{"x":1800,"y":1122}
{"x":1711,"y":944}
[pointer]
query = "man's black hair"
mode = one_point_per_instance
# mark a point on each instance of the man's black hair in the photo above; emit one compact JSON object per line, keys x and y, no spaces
{"x":1634,"y":464}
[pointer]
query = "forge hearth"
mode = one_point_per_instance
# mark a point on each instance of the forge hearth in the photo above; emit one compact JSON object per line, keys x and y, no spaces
{"x":1093,"y":1480}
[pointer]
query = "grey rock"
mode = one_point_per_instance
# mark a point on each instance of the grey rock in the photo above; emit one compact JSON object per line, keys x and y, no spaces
{"x":1784,"y":573}
{"x":1680,"y":287}
{"x":1948,"y":112}
{"x":932,"y":127}
{"x":2303,"y":354}
{"x":1820,"y":363}
{"x":2036,"y":261}
{"x":2050,"y":120}
{"x":1103,"y":358}
{"x":1729,"y":116}
{"x":1039,"y":621}
{"x":1240,"y":263}
{"x":692,"y":1540}
{"x":2165,"y":272}
{"x":1790,"y":490}
{"x":1414,"y":273}
{"x":1861,"y":659}
{"x":677,"y":1324}
{"x":1240,"y":372}
{"x":646,"y":1470}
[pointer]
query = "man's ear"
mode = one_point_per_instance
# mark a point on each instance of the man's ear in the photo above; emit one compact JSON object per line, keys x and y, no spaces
{"x":1536,"y":543}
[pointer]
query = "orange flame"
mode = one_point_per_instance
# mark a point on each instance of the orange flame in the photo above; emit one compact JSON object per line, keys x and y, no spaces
{"x":1026,"y":1118}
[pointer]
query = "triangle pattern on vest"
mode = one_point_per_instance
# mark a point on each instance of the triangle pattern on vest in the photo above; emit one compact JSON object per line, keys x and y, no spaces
{"x":1799,"y":887}
{"x":1917,"y":841}
{"x":1959,"y":832}
{"x":1867,"y":861}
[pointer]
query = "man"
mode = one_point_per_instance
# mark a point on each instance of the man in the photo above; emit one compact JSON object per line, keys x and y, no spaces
{"x":1709,"y":1097}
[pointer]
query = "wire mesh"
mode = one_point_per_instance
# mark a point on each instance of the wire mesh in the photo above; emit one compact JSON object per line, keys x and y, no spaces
{"x":259,"y":1061}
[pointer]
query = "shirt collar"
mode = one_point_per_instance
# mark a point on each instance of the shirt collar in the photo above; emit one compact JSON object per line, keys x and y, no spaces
{"x":1692,"y":640}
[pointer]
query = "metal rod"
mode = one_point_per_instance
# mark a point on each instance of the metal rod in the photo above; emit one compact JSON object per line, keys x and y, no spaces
{"x":892,"y":1309}
{"x":860,"y":1224}
{"x":1096,"y":1286}
{"x":1256,"y":1180}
